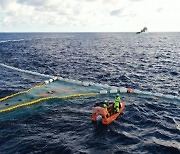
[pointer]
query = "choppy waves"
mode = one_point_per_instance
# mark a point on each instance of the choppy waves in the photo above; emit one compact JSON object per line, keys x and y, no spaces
{"x":145,"y":62}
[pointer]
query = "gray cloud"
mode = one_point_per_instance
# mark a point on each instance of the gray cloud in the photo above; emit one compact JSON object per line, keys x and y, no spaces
{"x":4,"y":3}
{"x":160,"y":9}
{"x":116,"y":12}
{"x":58,"y":7}
{"x":32,"y":2}
{"x":121,"y":13}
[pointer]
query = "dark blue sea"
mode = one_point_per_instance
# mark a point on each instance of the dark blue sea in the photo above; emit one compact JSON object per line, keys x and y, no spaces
{"x":147,"y":62}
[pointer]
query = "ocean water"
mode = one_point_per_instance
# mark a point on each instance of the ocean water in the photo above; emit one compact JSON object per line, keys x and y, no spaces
{"x":148,"y":62}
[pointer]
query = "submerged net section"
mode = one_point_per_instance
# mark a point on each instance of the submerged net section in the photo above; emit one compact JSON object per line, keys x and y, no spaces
{"x":50,"y":89}
{"x":59,"y":88}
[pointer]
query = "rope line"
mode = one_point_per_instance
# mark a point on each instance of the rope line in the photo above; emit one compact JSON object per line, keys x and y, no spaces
{"x":26,"y":71}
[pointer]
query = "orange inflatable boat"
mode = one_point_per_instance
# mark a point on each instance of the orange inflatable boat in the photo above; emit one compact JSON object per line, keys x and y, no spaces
{"x":100,"y":114}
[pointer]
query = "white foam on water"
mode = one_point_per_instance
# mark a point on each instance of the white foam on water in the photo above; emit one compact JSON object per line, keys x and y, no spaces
{"x":11,"y":40}
{"x":113,"y":91}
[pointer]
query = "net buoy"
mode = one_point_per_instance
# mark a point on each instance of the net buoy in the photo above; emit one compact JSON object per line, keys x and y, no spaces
{"x":123,"y":90}
{"x":103,"y":92}
{"x":86,"y":84}
{"x":50,"y":80}
{"x":55,"y":78}
{"x":46,"y":82}
{"x":129,"y":90}
{"x":113,"y":91}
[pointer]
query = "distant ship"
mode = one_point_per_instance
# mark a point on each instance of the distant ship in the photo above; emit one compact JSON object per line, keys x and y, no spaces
{"x":144,"y":30}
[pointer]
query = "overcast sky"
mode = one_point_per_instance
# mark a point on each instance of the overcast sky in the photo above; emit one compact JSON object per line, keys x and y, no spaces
{"x":89,"y":15}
